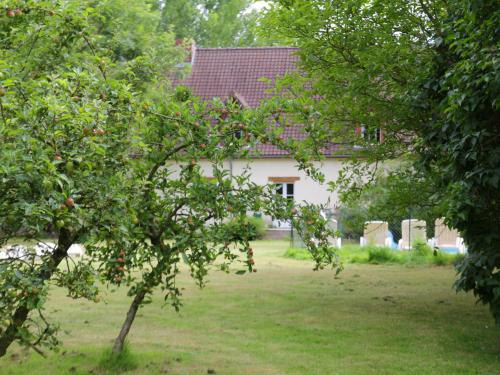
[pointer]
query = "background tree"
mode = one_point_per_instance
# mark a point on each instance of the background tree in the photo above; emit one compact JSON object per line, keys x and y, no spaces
{"x":395,"y":195}
{"x":361,"y":58}
{"x":461,"y":138}
{"x":181,"y":17}
{"x":215,"y":23}
{"x":227,"y":23}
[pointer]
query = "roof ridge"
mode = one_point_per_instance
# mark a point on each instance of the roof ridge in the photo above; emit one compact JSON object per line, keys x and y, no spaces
{"x":243,"y":48}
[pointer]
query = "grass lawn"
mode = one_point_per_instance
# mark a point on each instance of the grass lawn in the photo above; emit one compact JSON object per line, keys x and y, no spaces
{"x":285,"y":319}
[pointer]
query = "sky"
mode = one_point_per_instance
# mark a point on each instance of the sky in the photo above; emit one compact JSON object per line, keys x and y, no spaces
{"x":258,"y":5}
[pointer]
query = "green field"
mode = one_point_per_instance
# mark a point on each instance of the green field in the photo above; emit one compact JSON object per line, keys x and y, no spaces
{"x":285,"y":319}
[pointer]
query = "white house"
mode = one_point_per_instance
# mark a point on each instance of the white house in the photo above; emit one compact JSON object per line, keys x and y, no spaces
{"x":237,"y":73}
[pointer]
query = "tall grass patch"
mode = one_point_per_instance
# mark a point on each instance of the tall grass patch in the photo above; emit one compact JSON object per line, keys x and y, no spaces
{"x":111,"y":363}
{"x":421,"y":254}
{"x":380,"y":255}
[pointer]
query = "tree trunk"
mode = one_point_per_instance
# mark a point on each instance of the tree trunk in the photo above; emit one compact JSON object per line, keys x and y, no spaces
{"x":132,"y":311}
{"x":8,"y":337}
{"x":136,"y":303}
{"x":21,"y":313}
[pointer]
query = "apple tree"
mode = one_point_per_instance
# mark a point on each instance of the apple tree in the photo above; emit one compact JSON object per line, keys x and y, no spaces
{"x":65,"y":116}
{"x":181,"y":194}
{"x":93,"y":154}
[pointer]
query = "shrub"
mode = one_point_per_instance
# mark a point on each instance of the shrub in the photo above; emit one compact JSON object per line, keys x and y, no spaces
{"x":257,"y":228}
{"x":358,"y":259}
{"x":353,"y":253}
{"x":352,"y":220}
{"x":421,"y":249}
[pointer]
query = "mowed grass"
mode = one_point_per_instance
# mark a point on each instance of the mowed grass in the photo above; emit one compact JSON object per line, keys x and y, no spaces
{"x":284,"y":319}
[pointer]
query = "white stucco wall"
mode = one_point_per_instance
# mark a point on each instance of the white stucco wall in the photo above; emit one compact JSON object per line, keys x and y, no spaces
{"x":306,"y":189}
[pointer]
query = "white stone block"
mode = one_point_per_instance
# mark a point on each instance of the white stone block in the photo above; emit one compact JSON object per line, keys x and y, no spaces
{"x":375,"y":232}
{"x":76,"y":250}
{"x":411,"y":231}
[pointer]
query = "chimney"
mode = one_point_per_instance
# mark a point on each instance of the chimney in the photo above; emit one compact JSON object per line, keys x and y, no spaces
{"x":190,"y":48}
{"x":193,"y":52}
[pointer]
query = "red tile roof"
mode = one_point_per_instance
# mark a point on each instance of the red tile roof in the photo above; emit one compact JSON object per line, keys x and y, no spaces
{"x":265,"y":150}
{"x":238,"y":72}
{"x":221,"y":72}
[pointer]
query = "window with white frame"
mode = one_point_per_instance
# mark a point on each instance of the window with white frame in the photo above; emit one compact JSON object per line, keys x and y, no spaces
{"x":373,"y":135}
{"x":285,"y":189}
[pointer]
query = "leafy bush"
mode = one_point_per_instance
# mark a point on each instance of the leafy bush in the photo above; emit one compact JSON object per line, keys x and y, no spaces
{"x":421,"y":249}
{"x":421,"y":253}
{"x":257,"y":228}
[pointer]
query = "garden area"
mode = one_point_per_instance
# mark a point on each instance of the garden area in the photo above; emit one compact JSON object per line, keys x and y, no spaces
{"x":283,"y":319}
{"x":155,"y":155}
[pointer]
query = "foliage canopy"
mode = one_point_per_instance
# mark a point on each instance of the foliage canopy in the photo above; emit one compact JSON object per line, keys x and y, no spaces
{"x":427,"y":74}
{"x":97,"y":150}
